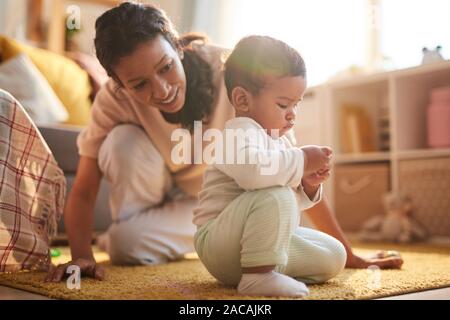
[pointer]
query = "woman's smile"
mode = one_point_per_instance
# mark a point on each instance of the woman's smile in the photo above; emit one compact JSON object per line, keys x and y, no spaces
{"x":171,"y":101}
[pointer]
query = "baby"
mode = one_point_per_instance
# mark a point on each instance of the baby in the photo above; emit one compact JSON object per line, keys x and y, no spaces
{"x":248,"y":216}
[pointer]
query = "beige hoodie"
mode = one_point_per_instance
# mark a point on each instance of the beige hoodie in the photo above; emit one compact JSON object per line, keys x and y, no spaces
{"x":114,"y":106}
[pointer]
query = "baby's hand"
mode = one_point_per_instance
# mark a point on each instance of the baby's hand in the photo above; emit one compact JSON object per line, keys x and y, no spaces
{"x":316,"y":178}
{"x":317,"y":159}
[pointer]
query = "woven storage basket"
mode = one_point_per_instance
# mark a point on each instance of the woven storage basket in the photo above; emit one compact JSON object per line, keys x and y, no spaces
{"x":358,"y":193}
{"x":427,"y":181}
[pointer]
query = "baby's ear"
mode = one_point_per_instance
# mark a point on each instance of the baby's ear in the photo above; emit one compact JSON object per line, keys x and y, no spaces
{"x":240,"y":98}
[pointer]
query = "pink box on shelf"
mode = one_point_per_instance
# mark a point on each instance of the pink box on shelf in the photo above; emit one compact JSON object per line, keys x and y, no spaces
{"x":440,"y":95}
{"x":439,"y":118}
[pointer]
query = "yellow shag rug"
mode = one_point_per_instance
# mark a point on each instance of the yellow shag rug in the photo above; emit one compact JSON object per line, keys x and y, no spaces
{"x":425,"y":267}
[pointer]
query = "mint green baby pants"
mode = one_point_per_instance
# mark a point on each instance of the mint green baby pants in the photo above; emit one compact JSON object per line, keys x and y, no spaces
{"x":260,"y":228}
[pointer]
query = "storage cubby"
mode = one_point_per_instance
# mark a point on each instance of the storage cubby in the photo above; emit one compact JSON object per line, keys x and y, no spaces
{"x":358,"y":192}
{"x":427,"y":181}
{"x":396,"y":104}
{"x":361,"y":117}
{"x":411,"y":90}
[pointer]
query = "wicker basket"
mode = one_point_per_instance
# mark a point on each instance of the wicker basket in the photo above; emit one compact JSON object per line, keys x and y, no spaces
{"x":427,"y":181}
{"x":358,"y":193}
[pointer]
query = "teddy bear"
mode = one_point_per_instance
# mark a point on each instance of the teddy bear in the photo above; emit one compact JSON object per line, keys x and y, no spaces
{"x":396,"y":224}
{"x":430,"y":56}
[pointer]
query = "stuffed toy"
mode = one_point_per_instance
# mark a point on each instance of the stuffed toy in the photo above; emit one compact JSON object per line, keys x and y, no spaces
{"x":396,"y":224}
{"x":430,"y":56}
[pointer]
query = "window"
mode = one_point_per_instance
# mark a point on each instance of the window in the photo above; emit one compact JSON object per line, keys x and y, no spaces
{"x":329,"y":34}
{"x":410,"y":25}
{"x":334,"y":35}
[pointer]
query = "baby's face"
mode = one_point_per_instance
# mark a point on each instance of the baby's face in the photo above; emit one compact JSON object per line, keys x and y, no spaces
{"x":274,"y":107}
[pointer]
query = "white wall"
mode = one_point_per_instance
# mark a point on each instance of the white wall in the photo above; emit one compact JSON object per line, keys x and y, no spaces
{"x":177,"y":10}
{"x":13,"y":14}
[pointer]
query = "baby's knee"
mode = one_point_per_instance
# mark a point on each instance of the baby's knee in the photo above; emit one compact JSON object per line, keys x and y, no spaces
{"x":273,"y":203}
{"x":281,"y":197}
{"x":339,"y":257}
{"x":334,"y":261}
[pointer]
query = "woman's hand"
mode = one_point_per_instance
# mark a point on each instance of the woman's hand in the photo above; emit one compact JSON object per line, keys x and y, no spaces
{"x":87,"y":267}
{"x":78,"y":222}
{"x":382,"y":259}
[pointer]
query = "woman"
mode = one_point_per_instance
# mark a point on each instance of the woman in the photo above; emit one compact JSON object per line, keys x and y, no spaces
{"x":160,"y":82}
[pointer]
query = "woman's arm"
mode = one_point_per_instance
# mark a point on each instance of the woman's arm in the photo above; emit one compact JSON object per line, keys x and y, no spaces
{"x":79,"y":211}
{"x":324,"y":219}
{"x":78,"y":221}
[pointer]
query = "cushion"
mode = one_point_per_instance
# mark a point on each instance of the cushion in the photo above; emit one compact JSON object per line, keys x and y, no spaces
{"x":97,"y":74}
{"x":32,"y":191}
{"x":23,"y":80}
{"x":68,"y":80}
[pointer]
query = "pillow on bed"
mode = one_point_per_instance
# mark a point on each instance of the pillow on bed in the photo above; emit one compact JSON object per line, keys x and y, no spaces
{"x":23,"y":80}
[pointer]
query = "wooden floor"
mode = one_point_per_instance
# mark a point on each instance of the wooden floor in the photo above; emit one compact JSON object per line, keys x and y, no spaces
{"x":437,"y":294}
{"x":15,"y":294}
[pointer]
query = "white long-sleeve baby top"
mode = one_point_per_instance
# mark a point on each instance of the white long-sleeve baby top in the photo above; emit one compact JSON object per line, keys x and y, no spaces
{"x":247,"y":159}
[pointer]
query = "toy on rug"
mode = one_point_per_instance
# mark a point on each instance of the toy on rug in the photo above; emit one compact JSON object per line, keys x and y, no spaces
{"x":55,"y":253}
{"x":396,"y":224}
{"x":383,"y":254}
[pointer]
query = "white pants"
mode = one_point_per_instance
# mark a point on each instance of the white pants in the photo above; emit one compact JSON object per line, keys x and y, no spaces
{"x":152,"y":221}
{"x":259,"y":228}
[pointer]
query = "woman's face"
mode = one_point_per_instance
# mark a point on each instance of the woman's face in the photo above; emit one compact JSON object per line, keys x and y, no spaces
{"x":154,"y":75}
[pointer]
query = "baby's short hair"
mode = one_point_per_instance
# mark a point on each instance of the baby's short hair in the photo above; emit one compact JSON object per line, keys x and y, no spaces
{"x":255,"y":57}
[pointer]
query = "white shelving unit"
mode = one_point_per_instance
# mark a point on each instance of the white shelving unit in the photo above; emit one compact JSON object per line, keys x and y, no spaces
{"x":404,"y":95}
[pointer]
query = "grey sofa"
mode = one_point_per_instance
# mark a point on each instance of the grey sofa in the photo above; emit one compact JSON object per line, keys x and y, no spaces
{"x":62,"y":142}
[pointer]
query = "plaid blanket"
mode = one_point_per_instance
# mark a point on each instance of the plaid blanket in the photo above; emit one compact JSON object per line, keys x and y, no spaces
{"x":32,"y":190}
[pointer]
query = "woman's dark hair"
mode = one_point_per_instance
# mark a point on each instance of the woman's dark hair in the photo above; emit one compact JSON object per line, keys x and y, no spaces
{"x":256,"y":57}
{"x":121,"y":30}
